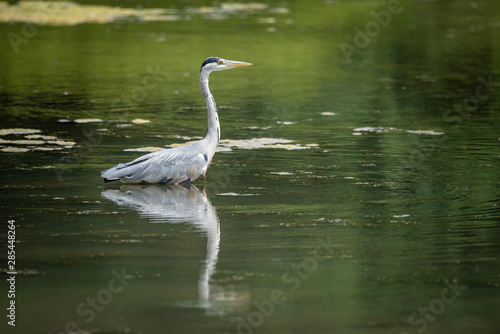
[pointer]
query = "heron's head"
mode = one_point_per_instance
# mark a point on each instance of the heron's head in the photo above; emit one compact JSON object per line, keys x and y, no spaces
{"x":219,"y":64}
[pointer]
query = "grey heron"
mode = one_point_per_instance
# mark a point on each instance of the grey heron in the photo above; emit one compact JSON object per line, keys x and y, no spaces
{"x":184,"y":164}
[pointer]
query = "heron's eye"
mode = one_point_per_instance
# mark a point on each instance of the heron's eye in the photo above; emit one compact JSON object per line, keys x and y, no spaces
{"x":220,"y":62}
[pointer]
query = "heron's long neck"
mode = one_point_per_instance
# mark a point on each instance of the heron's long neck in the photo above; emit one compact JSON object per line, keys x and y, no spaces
{"x":213,"y":134}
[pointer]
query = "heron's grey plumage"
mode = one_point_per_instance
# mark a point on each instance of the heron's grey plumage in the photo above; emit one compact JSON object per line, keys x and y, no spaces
{"x":182,"y":164}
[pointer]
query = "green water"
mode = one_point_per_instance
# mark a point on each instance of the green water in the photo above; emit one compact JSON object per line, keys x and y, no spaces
{"x":381,"y":218}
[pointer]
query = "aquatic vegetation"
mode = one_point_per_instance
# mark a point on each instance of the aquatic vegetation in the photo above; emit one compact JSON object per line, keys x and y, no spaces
{"x":71,"y":13}
{"x":255,"y":143}
{"x":235,"y":194}
{"x":22,"y":142}
{"x":40,"y":137}
{"x":140,"y":121}
{"x":18,"y":131}
{"x":11,"y":149}
{"x":88,"y":120}
{"x":359,"y":131}
{"x":31,"y":141}
{"x":281,"y":173}
{"x":144,"y":149}
{"x":227,"y":145}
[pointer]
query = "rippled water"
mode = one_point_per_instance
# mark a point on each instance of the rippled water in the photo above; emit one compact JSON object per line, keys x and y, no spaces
{"x":351,"y":193}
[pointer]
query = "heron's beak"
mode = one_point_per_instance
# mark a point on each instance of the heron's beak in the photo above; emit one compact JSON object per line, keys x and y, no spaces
{"x":234,"y":63}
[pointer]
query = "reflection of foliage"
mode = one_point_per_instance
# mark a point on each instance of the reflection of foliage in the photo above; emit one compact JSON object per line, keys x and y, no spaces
{"x":71,"y":13}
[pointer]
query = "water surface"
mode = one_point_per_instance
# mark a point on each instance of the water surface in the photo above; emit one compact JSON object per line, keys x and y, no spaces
{"x":348,"y":194}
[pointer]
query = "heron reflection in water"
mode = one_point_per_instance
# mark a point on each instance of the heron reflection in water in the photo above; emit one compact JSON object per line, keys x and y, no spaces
{"x":179,"y":204}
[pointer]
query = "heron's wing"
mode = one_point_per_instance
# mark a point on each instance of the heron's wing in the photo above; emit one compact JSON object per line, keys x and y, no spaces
{"x":124,"y":169}
{"x":177,"y":165}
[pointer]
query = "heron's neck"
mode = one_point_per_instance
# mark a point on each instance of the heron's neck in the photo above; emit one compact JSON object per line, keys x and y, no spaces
{"x":213,"y":134}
